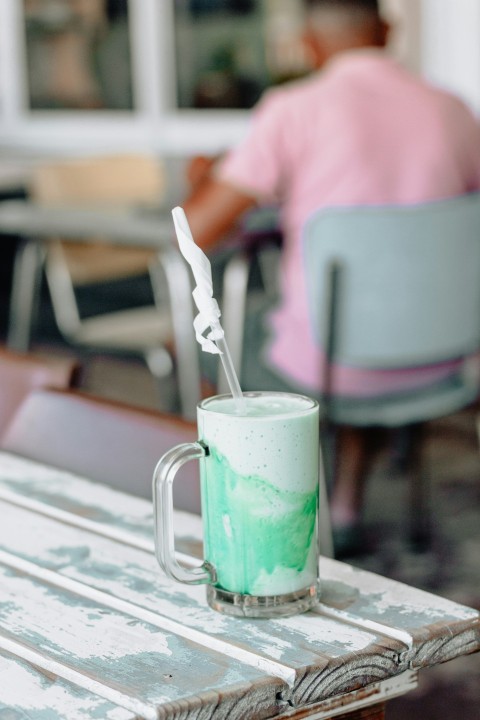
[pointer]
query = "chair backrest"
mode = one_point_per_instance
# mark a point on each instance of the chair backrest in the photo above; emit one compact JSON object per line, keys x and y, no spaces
{"x":20,"y":373}
{"x":407,"y":288}
{"x":103,"y":440}
{"x":104,"y":180}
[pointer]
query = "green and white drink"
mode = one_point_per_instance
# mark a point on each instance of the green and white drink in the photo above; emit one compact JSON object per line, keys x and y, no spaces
{"x":259,"y":481}
{"x":260,"y":492}
{"x":259,"y":487}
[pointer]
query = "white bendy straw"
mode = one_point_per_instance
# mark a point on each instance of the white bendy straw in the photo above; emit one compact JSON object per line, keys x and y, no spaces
{"x":208,"y":310}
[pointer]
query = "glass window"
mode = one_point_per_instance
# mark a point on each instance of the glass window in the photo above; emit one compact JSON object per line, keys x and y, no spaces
{"x":78,"y":55}
{"x":229,"y":51}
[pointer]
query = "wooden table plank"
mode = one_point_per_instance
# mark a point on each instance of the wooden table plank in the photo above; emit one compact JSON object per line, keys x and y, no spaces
{"x":124,"y":659}
{"x":366,"y":629}
{"x":315,"y":655}
{"x":26,"y":691}
{"x":62,"y":495}
{"x":347,"y":592}
{"x":350,"y":593}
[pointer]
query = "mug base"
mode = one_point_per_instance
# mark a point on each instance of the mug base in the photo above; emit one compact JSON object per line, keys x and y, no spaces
{"x":262,"y":606}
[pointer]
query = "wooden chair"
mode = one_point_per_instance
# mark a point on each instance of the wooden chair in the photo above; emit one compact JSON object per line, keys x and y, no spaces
{"x":397,"y":287}
{"x":20,"y":373}
{"x":113,"y":182}
{"x":110,"y":442}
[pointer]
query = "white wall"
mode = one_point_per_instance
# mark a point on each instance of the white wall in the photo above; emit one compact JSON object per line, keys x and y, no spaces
{"x":451,"y":46}
{"x":404,"y":17}
{"x":154,"y":126}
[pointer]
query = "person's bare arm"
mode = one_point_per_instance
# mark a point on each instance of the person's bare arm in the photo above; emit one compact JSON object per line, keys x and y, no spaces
{"x":213,"y":209}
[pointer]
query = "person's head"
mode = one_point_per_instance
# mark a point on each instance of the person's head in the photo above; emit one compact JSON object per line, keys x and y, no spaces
{"x":337,"y":25}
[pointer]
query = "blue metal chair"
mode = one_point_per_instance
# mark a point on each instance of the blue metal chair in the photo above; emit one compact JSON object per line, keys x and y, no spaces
{"x":397,"y":287}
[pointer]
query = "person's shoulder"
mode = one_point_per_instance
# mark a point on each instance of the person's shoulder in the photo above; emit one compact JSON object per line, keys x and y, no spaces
{"x":281,"y":98}
{"x":454,"y":103}
{"x":431,"y":94}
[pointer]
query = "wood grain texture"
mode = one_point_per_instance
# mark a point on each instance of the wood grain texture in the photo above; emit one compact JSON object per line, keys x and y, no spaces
{"x":439,"y":629}
{"x":350,"y":704}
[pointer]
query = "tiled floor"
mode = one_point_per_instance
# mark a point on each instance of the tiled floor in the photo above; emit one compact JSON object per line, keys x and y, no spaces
{"x":451,"y":568}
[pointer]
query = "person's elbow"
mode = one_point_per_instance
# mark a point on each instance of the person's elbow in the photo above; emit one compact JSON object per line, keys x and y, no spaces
{"x":214,"y":210}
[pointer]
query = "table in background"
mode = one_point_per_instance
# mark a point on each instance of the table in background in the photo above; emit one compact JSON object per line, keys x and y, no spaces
{"x":90,"y":627}
{"x":131,"y":227}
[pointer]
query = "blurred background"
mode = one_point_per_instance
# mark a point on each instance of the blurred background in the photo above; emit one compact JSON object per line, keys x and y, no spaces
{"x":175,"y":79}
{"x":177,"y":76}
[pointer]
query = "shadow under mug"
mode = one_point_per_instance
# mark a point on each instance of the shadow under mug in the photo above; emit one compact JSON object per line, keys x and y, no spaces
{"x":259,"y":478}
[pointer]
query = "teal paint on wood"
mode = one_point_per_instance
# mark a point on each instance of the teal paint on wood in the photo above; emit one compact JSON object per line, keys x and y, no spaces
{"x":76,"y":561}
{"x":117,"y":649}
{"x":25,"y":691}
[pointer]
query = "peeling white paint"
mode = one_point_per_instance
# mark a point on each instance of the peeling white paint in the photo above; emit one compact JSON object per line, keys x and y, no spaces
{"x":139,"y":708}
{"x":26,"y":689}
{"x":387,"y":597}
{"x":324,"y":630}
{"x":125,"y":567}
{"x":82,"y":630}
{"x":78,"y":559}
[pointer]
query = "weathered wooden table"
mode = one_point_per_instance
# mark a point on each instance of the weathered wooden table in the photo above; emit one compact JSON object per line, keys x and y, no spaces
{"x":91,"y":628}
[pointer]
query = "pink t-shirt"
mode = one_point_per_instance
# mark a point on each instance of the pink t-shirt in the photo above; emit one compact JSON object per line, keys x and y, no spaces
{"x":362,"y":132}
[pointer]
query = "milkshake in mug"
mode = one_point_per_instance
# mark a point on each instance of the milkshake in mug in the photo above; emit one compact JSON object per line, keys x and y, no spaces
{"x":259,"y":488}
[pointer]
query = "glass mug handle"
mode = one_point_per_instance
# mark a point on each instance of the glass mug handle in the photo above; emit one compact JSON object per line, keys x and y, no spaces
{"x":163,"y":477}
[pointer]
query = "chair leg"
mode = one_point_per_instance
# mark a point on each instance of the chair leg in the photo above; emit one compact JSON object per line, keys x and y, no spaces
{"x":419,"y":500}
{"x":325,"y":527}
{"x":328,"y":453}
{"x":176,"y":275}
{"x":234,"y":303}
{"x":25,"y":294}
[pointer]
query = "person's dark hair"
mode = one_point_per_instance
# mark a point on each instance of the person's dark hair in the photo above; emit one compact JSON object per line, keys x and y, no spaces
{"x":347,"y":23}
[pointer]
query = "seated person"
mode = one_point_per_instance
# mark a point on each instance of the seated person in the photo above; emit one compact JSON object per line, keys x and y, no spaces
{"x":361,"y":130}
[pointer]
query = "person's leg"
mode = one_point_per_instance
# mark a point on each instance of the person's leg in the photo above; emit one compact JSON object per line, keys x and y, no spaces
{"x":355,"y":449}
{"x":352,"y":459}
{"x":350,"y":468}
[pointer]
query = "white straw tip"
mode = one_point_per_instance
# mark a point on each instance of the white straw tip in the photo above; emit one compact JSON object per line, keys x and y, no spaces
{"x":180,"y":221}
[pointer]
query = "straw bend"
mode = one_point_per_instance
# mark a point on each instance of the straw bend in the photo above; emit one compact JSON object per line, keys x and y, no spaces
{"x":208,"y":310}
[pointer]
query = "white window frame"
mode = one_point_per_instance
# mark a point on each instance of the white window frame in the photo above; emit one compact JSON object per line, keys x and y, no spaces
{"x":154,"y":125}
{"x":449,"y":56}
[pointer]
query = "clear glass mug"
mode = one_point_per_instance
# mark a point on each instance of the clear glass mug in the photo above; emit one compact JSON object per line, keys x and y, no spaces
{"x":259,"y":475}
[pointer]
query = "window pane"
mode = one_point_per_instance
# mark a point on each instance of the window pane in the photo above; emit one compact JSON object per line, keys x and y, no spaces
{"x":78,"y":54}
{"x":229,"y":51}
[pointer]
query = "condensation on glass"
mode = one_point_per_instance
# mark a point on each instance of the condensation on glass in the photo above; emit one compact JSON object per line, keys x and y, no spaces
{"x":229,"y":51}
{"x":78,"y":55}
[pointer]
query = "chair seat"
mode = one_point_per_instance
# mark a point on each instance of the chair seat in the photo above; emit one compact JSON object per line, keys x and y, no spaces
{"x":91,"y":262}
{"x":439,"y":399}
{"x":134,"y":329}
